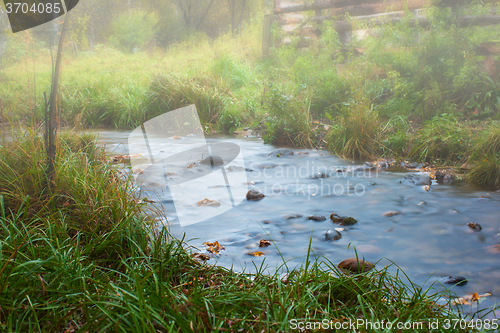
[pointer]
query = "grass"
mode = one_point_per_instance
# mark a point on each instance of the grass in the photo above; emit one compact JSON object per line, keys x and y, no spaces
{"x":84,"y":255}
{"x":402,"y":73}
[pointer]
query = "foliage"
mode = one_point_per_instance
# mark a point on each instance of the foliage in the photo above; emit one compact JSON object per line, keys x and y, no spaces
{"x":289,"y":121}
{"x":486,"y":172}
{"x":134,"y":29}
{"x":355,"y":133}
{"x":441,"y":138}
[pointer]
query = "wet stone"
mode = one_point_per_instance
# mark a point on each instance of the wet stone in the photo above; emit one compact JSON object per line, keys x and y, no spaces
{"x":281,"y":152}
{"x":355,"y":265}
{"x":343,"y":220}
{"x":474,"y":226}
{"x":320,"y":175}
{"x":367,"y":166}
{"x":317,"y":218}
{"x":212,"y":160}
{"x":416,"y":180}
{"x":254,"y":195}
{"x":456,"y":280}
{"x":391,"y":213}
{"x":293,"y":216}
{"x":332,"y":235}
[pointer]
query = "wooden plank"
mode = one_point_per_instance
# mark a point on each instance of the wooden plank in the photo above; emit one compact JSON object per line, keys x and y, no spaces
{"x":367,"y":6}
{"x":463,"y":21}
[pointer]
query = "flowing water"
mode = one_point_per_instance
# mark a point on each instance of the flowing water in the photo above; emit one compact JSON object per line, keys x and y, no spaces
{"x":429,"y":239}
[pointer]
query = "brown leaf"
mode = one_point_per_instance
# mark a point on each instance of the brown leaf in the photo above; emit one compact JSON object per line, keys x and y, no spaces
{"x":264,"y":243}
{"x":256,"y":254}
{"x":201,"y":256}
{"x":209,"y":203}
{"x":214,"y":247}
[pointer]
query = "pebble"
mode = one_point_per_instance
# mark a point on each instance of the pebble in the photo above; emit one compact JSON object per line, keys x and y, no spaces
{"x":391,"y":213}
{"x":281,"y":152}
{"x":456,"y":280}
{"x":342,"y":220}
{"x":355,"y":265}
{"x":416,"y":180}
{"x":317,"y":218}
{"x":293,"y":216}
{"x":474,"y":226}
{"x":254,"y":195}
{"x":333,"y":235}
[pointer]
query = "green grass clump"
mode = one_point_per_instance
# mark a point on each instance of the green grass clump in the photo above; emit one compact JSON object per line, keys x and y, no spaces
{"x":82,"y":255}
{"x":441,"y":139}
{"x":486,"y":172}
{"x":289,"y":120}
{"x":355,"y":134}
{"x":488,"y":142}
{"x":170,"y":92}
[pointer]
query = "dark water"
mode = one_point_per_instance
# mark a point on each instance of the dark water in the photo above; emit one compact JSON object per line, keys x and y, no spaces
{"x":427,"y":241}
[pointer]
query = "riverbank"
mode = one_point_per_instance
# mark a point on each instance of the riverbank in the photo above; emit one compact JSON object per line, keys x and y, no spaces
{"x":83,"y":255}
{"x":397,"y":99}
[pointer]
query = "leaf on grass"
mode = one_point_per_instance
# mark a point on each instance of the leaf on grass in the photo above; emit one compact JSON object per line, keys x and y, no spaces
{"x":256,"y":254}
{"x":201,"y":256}
{"x":264,"y":243}
{"x":214,"y":247}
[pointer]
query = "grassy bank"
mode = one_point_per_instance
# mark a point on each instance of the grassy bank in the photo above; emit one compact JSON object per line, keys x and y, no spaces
{"x":83,"y":255}
{"x":402,"y":92}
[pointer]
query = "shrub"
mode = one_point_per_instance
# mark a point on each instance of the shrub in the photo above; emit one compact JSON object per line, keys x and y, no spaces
{"x":289,"y":120}
{"x":486,"y":172}
{"x":441,"y":138}
{"x":134,"y":29}
{"x":170,"y":92}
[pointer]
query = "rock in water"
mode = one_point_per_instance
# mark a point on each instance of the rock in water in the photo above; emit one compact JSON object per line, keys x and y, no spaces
{"x":367,"y":166}
{"x":281,"y":152}
{"x":333,"y":235}
{"x":316,"y":218}
{"x":416,"y":180}
{"x":474,"y":226}
{"x":391,"y":213}
{"x":456,"y":280}
{"x":342,"y":220}
{"x":292,"y":216}
{"x":212,"y":160}
{"x":254,"y":195}
{"x":355,"y":265}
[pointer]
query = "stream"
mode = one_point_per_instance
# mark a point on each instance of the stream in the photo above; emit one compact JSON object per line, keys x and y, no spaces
{"x":428,"y":240}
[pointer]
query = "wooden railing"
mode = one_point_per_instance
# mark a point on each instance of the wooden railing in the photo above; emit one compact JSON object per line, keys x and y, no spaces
{"x":362,"y":8}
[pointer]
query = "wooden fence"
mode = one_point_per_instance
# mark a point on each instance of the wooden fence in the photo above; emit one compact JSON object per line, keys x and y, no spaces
{"x":373,"y":10}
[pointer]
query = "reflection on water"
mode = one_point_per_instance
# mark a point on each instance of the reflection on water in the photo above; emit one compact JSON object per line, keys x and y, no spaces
{"x":428,"y":237}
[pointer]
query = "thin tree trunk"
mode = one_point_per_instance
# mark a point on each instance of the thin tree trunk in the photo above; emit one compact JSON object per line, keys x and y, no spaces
{"x":51,"y":149}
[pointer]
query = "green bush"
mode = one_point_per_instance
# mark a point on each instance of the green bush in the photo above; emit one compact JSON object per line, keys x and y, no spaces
{"x":289,"y":121}
{"x":134,"y":29}
{"x":441,"y":138}
{"x":486,"y":172}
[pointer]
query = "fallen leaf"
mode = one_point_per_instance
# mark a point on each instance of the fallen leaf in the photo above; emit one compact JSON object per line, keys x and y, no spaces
{"x":264,"y":243}
{"x":176,"y":137}
{"x":214,"y":247}
{"x":256,"y":254}
{"x":208,"y":202}
{"x":201,"y":256}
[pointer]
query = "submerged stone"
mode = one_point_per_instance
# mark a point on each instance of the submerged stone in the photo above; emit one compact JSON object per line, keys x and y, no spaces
{"x":281,"y":152}
{"x":254,"y":195}
{"x":456,"y":280}
{"x":317,"y":218}
{"x":332,"y":235}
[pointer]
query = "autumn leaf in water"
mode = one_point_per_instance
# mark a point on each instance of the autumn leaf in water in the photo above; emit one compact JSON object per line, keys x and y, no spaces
{"x":208,"y":202}
{"x":214,"y":247}
{"x":264,"y":243}
{"x":256,"y":254}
